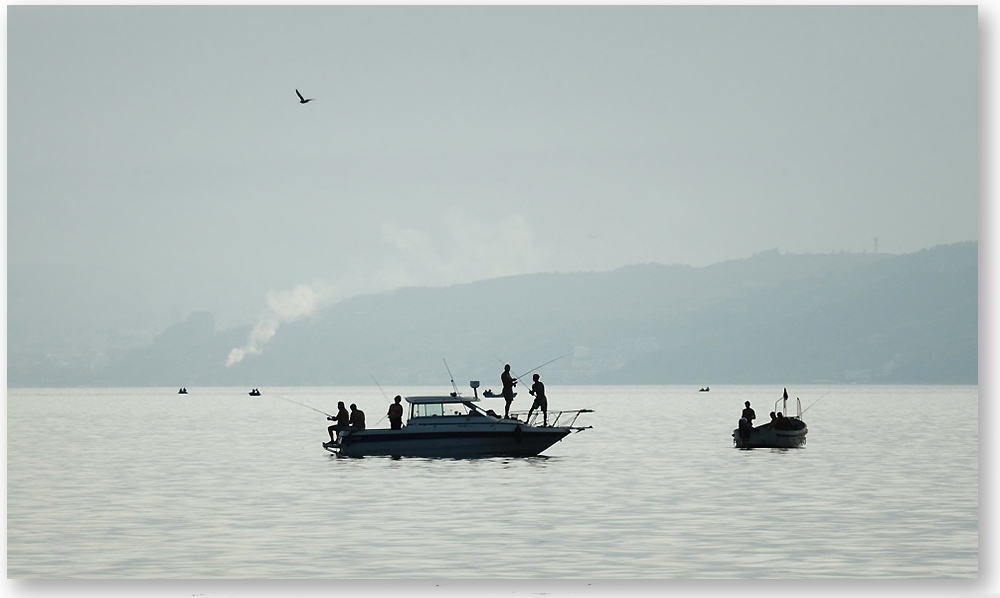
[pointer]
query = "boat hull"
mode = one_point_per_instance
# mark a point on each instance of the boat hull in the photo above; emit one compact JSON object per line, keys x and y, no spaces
{"x":502,"y":440}
{"x":768,"y":437}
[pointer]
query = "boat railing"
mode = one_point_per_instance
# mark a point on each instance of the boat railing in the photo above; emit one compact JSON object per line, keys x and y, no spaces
{"x":784,"y":407}
{"x":556,"y":419}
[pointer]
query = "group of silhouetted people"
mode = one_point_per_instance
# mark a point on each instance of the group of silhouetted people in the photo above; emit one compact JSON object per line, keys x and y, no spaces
{"x":778,"y":420}
{"x":541,"y":402}
{"x":355,"y":420}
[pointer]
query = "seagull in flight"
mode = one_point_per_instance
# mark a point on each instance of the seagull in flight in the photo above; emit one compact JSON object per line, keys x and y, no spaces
{"x":302,"y":100}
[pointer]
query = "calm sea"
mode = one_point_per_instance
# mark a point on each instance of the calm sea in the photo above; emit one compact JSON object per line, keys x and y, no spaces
{"x":145,"y":483}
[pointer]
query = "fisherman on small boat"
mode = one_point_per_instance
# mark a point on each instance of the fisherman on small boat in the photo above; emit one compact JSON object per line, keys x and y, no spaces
{"x":508,"y":389}
{"x":746,"y":422}
{"x":396,"y":414}
{"x":783,"y":423}
{"x":343,"y":420}
{"x":541,"y":402}
{"x":357,"y":418}
{"x":780,"y":432}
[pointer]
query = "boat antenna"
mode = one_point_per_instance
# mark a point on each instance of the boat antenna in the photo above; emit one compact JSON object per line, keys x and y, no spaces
{"x":379,"y":387}
{"x":543,"y":365}
{"x":303,"y":404}
{"x":450,"y":376}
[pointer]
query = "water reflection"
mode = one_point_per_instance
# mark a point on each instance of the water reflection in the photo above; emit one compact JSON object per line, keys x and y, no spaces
{"x":204,"y":494}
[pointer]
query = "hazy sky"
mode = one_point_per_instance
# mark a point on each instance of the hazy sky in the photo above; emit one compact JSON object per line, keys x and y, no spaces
{"x":448,"y":144}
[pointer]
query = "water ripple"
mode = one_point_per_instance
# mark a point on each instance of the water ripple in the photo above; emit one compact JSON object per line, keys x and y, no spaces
{"x":146,"y":484}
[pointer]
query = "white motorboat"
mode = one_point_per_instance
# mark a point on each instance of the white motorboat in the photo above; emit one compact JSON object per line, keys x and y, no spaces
{"x":783,"y":432}
{"x":454,"y":426}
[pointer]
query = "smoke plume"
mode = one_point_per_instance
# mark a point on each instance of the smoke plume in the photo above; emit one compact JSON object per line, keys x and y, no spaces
{"x":282,"y":307}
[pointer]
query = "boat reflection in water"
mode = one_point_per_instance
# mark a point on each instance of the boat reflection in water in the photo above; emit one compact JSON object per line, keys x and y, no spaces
{"x":454,"y":426}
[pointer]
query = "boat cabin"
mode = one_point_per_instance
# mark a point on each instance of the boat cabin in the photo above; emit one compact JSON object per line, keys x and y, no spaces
{"x":422,"y":409}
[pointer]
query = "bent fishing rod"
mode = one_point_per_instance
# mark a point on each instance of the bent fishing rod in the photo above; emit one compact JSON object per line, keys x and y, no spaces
{"x":450,"y":376}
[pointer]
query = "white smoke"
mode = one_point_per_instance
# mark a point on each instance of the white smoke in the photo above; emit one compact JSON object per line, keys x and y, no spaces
{"x":465,"y":250}
{"x":282,"y":307}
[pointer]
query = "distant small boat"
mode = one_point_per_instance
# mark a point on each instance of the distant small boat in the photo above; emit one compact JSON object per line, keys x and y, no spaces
{"x":489,"y":394}
{"x":182,"y":391}
{"x":704,"y":389}
{"x":255,"y":393}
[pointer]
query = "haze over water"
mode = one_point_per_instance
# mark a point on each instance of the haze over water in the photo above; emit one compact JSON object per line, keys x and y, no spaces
{"x":446,"y":145}
{"x":143,"y":483}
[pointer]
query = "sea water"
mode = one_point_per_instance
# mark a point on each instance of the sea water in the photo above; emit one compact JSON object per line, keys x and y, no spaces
{"x":146,"y":483}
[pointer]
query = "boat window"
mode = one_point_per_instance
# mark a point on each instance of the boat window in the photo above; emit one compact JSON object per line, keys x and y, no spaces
{"x":428,"y":409}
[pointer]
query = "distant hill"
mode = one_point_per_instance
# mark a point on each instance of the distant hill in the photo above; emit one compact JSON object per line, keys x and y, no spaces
{"x":771,"y":318}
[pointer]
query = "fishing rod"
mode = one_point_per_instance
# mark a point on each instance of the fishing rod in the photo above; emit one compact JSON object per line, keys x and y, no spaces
{"x":450,"y":376}
{"x":304,"y":405}
{"x":814,"y":402}
{"x":383,"y":394}
{"x":379,"y":387}
{"x":543,"y":365}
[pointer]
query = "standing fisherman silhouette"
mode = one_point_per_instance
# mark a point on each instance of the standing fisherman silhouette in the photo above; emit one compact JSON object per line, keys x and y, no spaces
{"x":396,"y":414}
{"x":746,"y":422}
{"x":508,"y":389}
{"x":541,"y":402}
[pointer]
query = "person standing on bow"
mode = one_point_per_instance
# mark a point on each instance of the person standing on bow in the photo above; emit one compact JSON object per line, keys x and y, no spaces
{"x":396,"y":414}
{"x":541,"y":402}
{"x":508,"y":382}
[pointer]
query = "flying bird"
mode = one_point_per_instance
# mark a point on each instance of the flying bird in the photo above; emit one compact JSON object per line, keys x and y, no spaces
{"x":302,"y":100}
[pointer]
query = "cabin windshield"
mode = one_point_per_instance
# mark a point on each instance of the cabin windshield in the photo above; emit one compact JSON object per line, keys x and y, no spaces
{"x":442,"y":409}
{"x":438,"y":409}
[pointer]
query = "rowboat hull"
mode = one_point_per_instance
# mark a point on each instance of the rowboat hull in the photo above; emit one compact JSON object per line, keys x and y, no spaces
{"x":768,"y":437}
